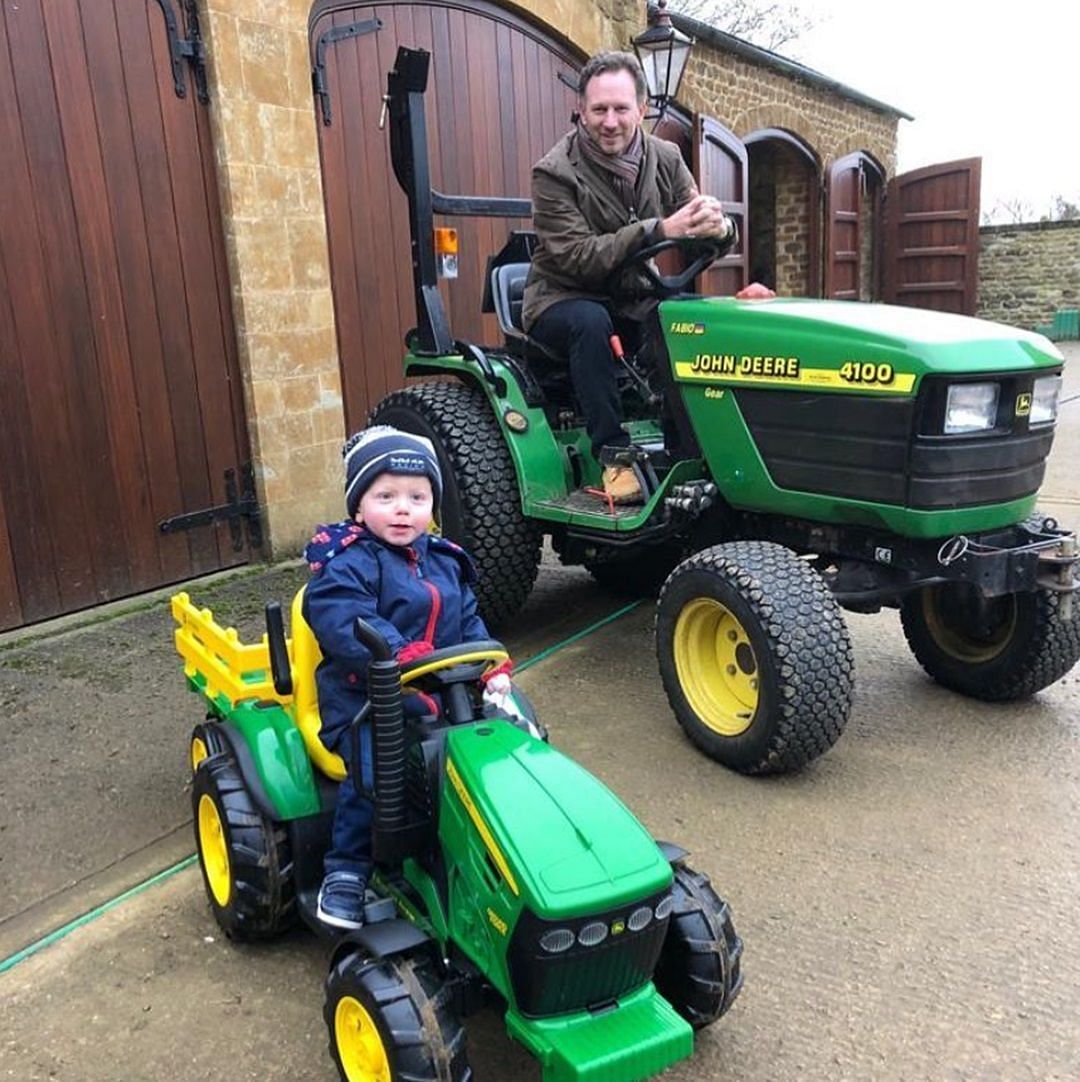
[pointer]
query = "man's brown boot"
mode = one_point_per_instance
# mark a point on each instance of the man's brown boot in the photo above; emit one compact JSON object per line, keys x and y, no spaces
{"x":622,"y":485}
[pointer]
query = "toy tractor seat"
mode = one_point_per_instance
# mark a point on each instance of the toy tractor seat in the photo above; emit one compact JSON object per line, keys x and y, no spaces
{"x":306,"y":656}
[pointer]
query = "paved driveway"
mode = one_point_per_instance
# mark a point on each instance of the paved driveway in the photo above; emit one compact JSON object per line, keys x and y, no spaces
{"x":908,"y":902}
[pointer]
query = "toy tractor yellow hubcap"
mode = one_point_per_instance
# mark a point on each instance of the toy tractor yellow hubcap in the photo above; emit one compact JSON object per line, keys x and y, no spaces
{"x":214,"y":850}
{"x":198,"y":752}
{"x":360,"y":1047}
{"x":717,"y":667}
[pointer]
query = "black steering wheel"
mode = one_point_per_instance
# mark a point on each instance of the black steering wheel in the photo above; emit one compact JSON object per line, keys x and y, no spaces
{"x":709,"y":250}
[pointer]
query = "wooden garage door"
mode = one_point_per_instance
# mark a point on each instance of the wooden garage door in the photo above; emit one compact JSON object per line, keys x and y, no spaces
{"x":932,"y":237}
{"x":119,"y":391}
{"x":721,"y":167}
{"x":500,"y":93}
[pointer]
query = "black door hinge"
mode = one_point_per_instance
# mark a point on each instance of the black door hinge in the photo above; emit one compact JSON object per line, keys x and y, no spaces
{"x":188,"y":48}
{"x":318,"y":73}
{"x":239,"y":505}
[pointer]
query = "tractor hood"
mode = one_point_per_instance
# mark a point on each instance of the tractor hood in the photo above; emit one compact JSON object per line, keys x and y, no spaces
{"x":829,"y":333}
{"x":568,"y":843}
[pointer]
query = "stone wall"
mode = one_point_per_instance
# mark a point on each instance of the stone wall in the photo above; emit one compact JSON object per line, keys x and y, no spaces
{"x":746,"y":96}
{"x":1027,"y":272}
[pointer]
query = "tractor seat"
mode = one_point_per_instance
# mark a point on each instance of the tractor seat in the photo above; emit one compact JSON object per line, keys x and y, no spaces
{"x":508,"y":299}
{"x":306,"y":656}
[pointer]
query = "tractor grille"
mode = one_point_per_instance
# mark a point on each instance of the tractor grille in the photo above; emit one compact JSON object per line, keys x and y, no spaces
{"x":584,"y":976}
{"x":891,"y":450}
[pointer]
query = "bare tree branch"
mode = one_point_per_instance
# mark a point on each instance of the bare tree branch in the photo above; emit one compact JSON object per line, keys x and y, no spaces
{"x":770,"y":25}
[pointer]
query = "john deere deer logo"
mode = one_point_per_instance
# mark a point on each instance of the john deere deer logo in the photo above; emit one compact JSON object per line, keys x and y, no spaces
{"x":1023,"y":405}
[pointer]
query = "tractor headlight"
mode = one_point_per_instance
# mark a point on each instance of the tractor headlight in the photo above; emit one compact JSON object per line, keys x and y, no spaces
{"x":594,"y":933}
{"x":1044,"y":400}
{"x":971,"y":407}
{"x":557,"y":940}
{"x":664,"y":907}
{"x":639,"y":918}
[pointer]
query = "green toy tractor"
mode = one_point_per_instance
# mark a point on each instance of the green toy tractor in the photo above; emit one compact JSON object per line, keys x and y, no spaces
{"x":505,"y":873}
{"x":799,"y":457}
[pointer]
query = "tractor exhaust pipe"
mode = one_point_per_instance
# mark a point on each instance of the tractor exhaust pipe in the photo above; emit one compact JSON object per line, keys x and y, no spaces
{"x":388,"y":742}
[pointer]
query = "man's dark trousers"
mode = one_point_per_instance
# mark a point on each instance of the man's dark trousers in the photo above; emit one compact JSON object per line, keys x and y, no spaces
{"x":581,"y":330}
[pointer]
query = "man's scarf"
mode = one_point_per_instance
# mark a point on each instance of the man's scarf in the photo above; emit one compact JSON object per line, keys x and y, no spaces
{"x":622,"y":168}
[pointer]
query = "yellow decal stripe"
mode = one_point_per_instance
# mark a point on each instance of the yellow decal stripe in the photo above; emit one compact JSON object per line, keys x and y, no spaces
{"x":900,"y":383}
{"x":481,"y":826}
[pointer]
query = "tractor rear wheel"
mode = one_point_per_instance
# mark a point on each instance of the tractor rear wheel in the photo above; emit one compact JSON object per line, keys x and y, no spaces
{"x":245,"y":859}
{"x":206,"y":740}
{"x":754,"y":656}
{"x":700,"y":967}
{"x":995,"y":649}
{"x":481,"y":504}
{"x":390,"y":1020}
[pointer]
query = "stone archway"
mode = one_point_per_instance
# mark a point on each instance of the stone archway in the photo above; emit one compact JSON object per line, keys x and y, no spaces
{"x":785,"y":212}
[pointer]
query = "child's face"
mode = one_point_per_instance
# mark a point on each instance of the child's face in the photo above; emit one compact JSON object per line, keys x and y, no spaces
{"x":397,"y":507}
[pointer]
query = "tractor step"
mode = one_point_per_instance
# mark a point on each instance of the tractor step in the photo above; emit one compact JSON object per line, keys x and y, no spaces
{"x":635,"y":1039}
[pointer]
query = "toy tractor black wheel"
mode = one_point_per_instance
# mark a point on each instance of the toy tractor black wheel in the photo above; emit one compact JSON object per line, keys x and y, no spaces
{"x":754,"y":656}
{"x":996,"y":649}
{"x":245,"y":860}
{"x":390,"y":1021}
{"x":206,"y":740}
{"x":700,"y":967}
{"x":481,"y":505}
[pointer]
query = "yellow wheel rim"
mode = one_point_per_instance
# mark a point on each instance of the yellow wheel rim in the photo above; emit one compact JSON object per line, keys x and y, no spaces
{"x":717,"y":667}
{"x":948,"y":623}
{"x":359,"y":1044}
{"x":198,"y":752}
{"x":214,"y":850}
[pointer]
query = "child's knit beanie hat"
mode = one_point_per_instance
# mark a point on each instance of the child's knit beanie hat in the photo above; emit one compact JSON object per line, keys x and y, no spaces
{"x":382,"y":449}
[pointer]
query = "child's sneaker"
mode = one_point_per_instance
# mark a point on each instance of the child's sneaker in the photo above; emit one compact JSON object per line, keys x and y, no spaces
{"x":341,"y":900}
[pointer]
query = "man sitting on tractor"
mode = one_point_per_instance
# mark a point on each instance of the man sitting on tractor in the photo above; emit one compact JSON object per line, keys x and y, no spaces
{"x":606,"y":190}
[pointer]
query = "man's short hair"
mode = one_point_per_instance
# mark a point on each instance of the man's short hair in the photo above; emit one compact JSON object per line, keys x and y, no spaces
{"x":612,"y":61}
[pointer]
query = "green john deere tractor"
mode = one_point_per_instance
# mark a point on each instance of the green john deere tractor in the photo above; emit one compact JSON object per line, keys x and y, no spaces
{"x":798,"y":456}
{"x":505,"y":873}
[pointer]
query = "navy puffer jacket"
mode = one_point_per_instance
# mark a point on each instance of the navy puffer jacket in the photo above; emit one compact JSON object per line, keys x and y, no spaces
{"x":423,"y":592}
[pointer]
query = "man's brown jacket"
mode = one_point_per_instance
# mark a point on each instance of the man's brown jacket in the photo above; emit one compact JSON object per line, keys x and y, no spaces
{"x":584,"y":229}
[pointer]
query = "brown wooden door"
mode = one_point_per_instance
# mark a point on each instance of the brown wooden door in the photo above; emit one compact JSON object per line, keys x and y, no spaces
{"x":843,"y":201}
{"x":932,"y":237}
{"x":499,"y":95}
{"x":119,"y":388}
{"x":721,"y":167}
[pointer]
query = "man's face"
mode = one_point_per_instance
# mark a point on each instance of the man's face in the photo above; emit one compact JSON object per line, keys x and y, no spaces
{"x":610,"y":110}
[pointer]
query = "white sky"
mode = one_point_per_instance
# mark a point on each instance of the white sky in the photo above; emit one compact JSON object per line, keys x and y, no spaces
{"x":1000,"y":82}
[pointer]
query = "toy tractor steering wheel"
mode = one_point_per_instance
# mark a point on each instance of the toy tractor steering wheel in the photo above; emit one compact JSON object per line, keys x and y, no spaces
{"x":710,"y":249}
{"x":486,"y":652}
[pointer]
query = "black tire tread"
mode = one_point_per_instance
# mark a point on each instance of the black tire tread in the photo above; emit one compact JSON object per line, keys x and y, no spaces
{"x":496,"y":533}
{"x":700,"y":968}
{"x":807,"y":639}
{"x":423,"y":1038}
{"x":263,"y":902}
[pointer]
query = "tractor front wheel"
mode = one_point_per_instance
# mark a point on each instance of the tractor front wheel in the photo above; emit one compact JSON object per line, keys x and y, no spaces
{"x":390,"y":1021}
{"x":246,"y":865}
{"x":481,"y":504}
{"x":995,"y":649}
{"x":754,"y":656}
{"x":700,"y":967}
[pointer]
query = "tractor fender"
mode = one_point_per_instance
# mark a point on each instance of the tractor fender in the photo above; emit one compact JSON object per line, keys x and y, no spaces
{"x":245,"y":763}
{"x":269,"y":751}
{"x":383,"y":939}
{"x":671,"y":852}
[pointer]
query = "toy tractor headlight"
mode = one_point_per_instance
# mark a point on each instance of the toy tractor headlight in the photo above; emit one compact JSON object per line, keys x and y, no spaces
{"x":593,"y":934}
{"x":971,"y":407}
{"x":557,"y":940}
{"x":1044,"y":400}
{"x":664,"y":907}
